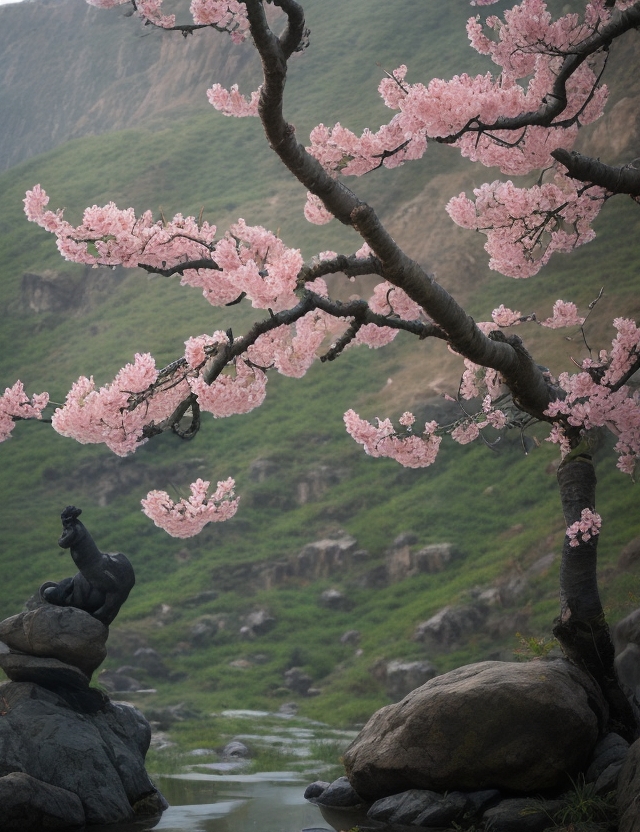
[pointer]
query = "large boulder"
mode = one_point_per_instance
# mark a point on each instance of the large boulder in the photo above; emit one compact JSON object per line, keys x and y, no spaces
{"x":79,"y":743}
{"x":515,"y":726}
{"x":628,"y":795}
{"x":28,"y":803}
{"x":64,"y":633}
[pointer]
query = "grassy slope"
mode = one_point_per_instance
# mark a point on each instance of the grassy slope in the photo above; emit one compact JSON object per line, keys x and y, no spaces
{"x":471,"y":496}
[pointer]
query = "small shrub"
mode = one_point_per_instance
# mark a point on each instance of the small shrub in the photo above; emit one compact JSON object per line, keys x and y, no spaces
{"x":532,"y":647}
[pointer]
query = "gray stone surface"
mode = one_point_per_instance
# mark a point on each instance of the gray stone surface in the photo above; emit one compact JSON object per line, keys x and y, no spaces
{"x":517,"y":726}
{"x":627,"y":631}
{"x":628,"y":796}
{"x":403,"y":808}
{"x":340,"y":794}
{"x":20,"y":667}
{"x":71,"y":635}
{"x":90,"y":747}
{"x":627,"y":665}
{"x":298,"y":681}
{"x":522,"y":815}
{"x":448,"y":810}
{"x":315,"y":789}
{"x":611,"y":749}
{"x":29,"y":804}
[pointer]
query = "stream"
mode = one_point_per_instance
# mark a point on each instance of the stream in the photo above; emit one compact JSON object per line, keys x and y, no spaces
{"x":207,"y":793}
{"x":266,"y":802}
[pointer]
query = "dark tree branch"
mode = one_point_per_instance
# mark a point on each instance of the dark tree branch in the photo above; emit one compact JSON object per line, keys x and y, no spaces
{"x":619,"y":180}
{"x":521,"y":374}
{"x":352,"y":266}
{"x":519,"y":371}
{"x":181,"y":267}
{"x":357,"y":309}
{"x":556,"y":99}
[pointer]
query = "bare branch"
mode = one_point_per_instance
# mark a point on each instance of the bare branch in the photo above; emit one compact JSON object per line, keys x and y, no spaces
{"x":619,"y":180}
{"x":181,"y":267}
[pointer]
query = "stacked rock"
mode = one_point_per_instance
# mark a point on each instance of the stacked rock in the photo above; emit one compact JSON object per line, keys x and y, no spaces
{"x":52,"y":646}
{"x":70,"y":757}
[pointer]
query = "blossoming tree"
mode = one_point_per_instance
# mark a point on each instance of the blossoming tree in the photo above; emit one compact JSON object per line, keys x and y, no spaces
{"x":523,"y":118}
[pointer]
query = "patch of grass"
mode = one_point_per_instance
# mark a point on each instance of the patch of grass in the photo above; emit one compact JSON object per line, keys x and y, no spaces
{"x":586,"y":809}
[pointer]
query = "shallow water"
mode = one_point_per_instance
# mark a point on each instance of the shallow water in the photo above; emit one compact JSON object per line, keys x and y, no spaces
{"x":209,"y":794}
{"x":267,"y":802}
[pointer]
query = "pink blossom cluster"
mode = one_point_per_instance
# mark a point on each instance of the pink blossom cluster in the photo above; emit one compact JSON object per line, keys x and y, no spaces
{"x":528,"y":31}
{"x":109,"y":415}
{"x":524,"y":226}
{"x":469,"y":429}
{"x":151,"y":10}
{"x":528,"y":46}
{"x":411,"y":451}
{"x":15,"y":404}
{"x":255,"y":261}
{"x":187,"y":518}
{"x":375,"y":337}
{"x":339,"y":150}
{"x":232,"y":103}
{"x":477,"y":380}
{"x":109,"y":236}
{"x":504,"y":317}
{"x":233,"y":393}
{"x":387,"y":300}
{"x":147,"y":9}
{"x":447,"y":108}
{"x":585,"y":528}
{"x":247,"y":259}
{"x":565,"y":313}
{"x":624,"y":350}
{"x":315,"y":211}
{"x":594,"y":398}
{"x":196,"y":348}
{"x":228,"y":15}
{"x":293,"y":349}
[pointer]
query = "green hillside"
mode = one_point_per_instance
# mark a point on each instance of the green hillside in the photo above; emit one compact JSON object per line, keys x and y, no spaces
{"x":498,"y":508}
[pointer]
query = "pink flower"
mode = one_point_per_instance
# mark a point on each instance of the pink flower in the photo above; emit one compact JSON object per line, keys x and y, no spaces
{"x":232,"y":103}
{"x":15,"y":404}
{"x":465,"y":433}
{"x":195,"y":347}
{"x":231,"y":394}
{"x":315,"y":211}
{"x":117,"y":413}
{"x":382,"y":441}
{"x":188,"y":517}
{"x":505,"y":317}
{"x":228,"y":15}
{"x":564,"y":314}
{"x":584,"y":529}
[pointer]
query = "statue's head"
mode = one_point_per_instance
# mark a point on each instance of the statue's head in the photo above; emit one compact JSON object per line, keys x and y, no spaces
{"x":70,"y":524}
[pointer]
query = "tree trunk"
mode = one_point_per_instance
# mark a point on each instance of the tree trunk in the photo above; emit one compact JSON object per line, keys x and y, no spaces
{"x":581,"y":628}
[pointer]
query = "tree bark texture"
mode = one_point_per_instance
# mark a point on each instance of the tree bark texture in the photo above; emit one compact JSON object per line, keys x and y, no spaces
{"x":581,"y":628}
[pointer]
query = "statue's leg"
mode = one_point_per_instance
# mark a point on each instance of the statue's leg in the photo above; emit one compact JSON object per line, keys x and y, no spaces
{"x":60,"y":594}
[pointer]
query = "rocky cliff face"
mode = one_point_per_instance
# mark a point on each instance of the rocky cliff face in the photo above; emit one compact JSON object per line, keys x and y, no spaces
{"x":69,"y":70}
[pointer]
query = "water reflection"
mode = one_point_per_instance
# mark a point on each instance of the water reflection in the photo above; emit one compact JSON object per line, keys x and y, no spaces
{"x":267,"y":802}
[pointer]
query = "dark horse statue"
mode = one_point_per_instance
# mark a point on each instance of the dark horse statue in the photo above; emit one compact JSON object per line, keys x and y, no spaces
{"x":104,"y":581}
